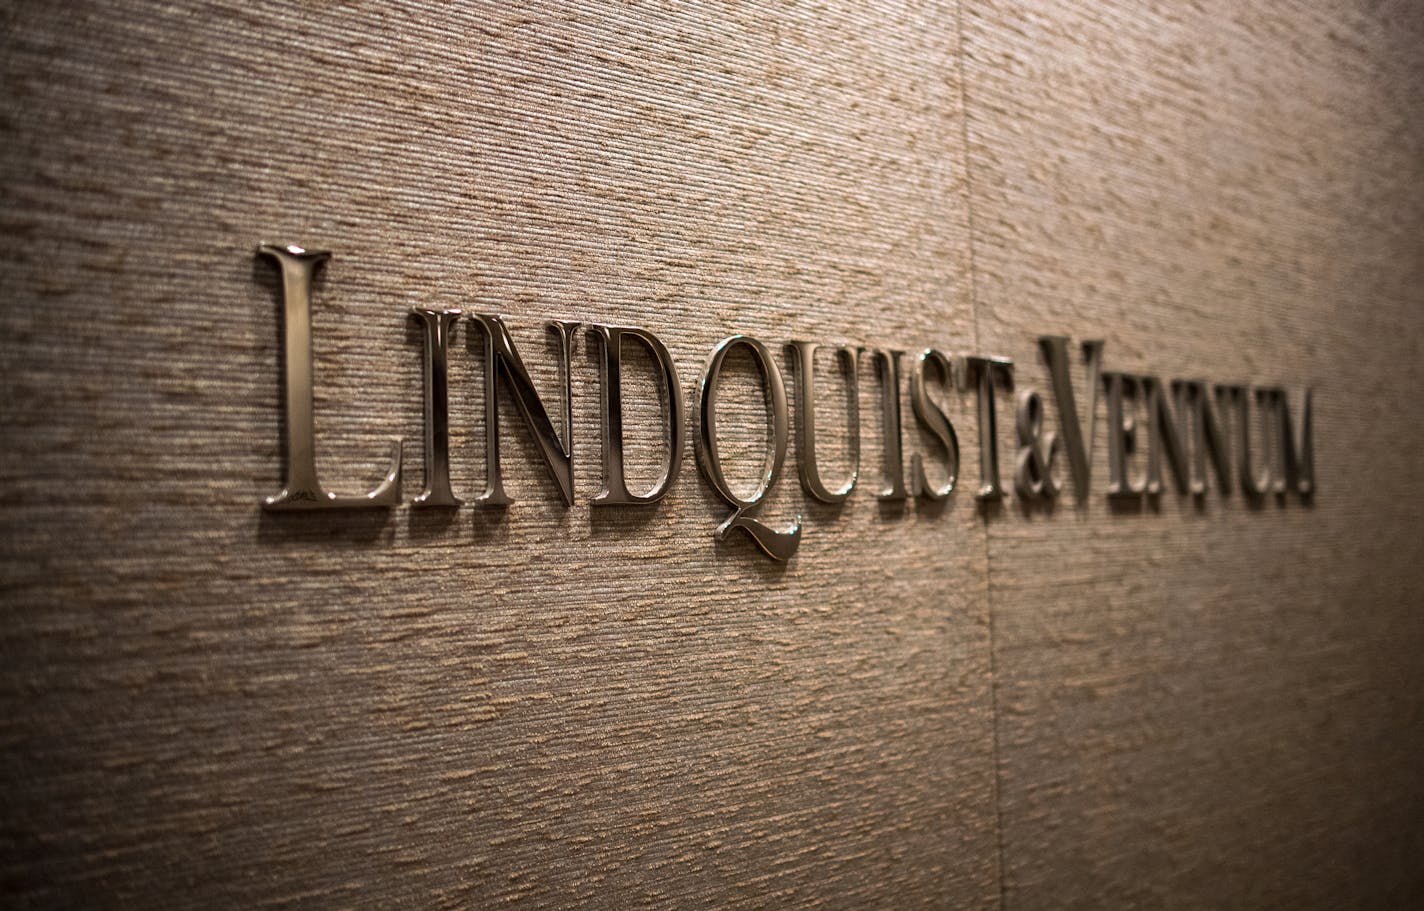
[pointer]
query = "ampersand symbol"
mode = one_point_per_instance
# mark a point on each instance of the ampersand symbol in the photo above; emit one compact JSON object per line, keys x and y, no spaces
{"x":1033,"y":469}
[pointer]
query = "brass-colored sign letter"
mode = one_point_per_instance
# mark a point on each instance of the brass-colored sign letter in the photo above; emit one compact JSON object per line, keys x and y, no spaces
{"x":779,"y":545}
{"x":438,"y":325}
{"x":983,"y":372}
{"x":303,"y":489}
{"x":615,"y":483}
{"x":502,"y":361}
{"x":935,"y":422}
{"x":803,"y":365}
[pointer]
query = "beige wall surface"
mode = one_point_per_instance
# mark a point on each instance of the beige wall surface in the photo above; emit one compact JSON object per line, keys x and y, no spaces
{"x":1197,"y":703}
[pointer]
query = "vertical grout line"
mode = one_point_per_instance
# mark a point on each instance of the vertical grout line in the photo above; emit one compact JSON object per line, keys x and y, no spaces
{"x":988,"y":566}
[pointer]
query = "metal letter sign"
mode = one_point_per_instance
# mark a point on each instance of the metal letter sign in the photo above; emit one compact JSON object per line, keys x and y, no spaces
{"x":303,"y":490}
{"x":1185,"y":424}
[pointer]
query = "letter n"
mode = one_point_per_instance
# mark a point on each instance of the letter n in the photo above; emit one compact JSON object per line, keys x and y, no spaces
{"x":503,"y":365}
{"x":1297,"y":454}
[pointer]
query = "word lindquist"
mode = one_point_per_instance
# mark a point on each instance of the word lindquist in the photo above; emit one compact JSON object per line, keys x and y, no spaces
{"x":1191,"y":426}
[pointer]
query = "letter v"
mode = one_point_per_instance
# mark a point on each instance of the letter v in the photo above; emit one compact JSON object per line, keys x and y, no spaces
{"x":1080,"y":452}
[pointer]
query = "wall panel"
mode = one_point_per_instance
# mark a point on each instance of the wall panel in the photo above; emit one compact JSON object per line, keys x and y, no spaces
{"x":956,"y":706}
{"x":1209,"y":703}
{"x":205,"y":703}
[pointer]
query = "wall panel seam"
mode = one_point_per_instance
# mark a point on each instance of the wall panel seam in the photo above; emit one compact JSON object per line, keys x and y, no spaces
{"x":984,"y":528}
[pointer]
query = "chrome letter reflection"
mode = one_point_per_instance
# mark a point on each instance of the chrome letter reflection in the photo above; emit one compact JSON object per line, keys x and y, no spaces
{"x":982,"y":371}
{"x":1186,"y":427}
{"x":502,"y":360}
{"x":615,"y":486}
{"x":438,"y":325}
{"x":304,"y":490}
{"x":779,"y":545}
{"x":803,"y":364}
{"x":935,"y":422}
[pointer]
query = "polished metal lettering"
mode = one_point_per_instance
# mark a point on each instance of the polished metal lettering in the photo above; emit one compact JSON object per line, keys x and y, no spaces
{"x":303,"y":490}
{"x":887,"y":368}
{"x":1255,"y":482}
{"x":779,"y":545}
{"x":438,"y":325}
{"x":1181,"y":424}
{"x":1297,"y":456}
{"x":935,"y":422}
{"x":502,"y":360}
{"x":1038,"y":452}
{"x":1079,"y":450}
{"x":1208,"y":438}
{"x":1164,"y":437}
{"x":1122,"y":436}
{"x":981,"y":371}
{"x":803,"y":363}
{"x":615,"y":484}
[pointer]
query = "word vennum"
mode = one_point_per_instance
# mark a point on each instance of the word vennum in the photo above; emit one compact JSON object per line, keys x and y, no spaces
{"x":1203,"y":435}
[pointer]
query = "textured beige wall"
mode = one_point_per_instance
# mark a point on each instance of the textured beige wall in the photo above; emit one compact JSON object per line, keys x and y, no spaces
{"x":1214,"y":706}
{"x":203,"y":704}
